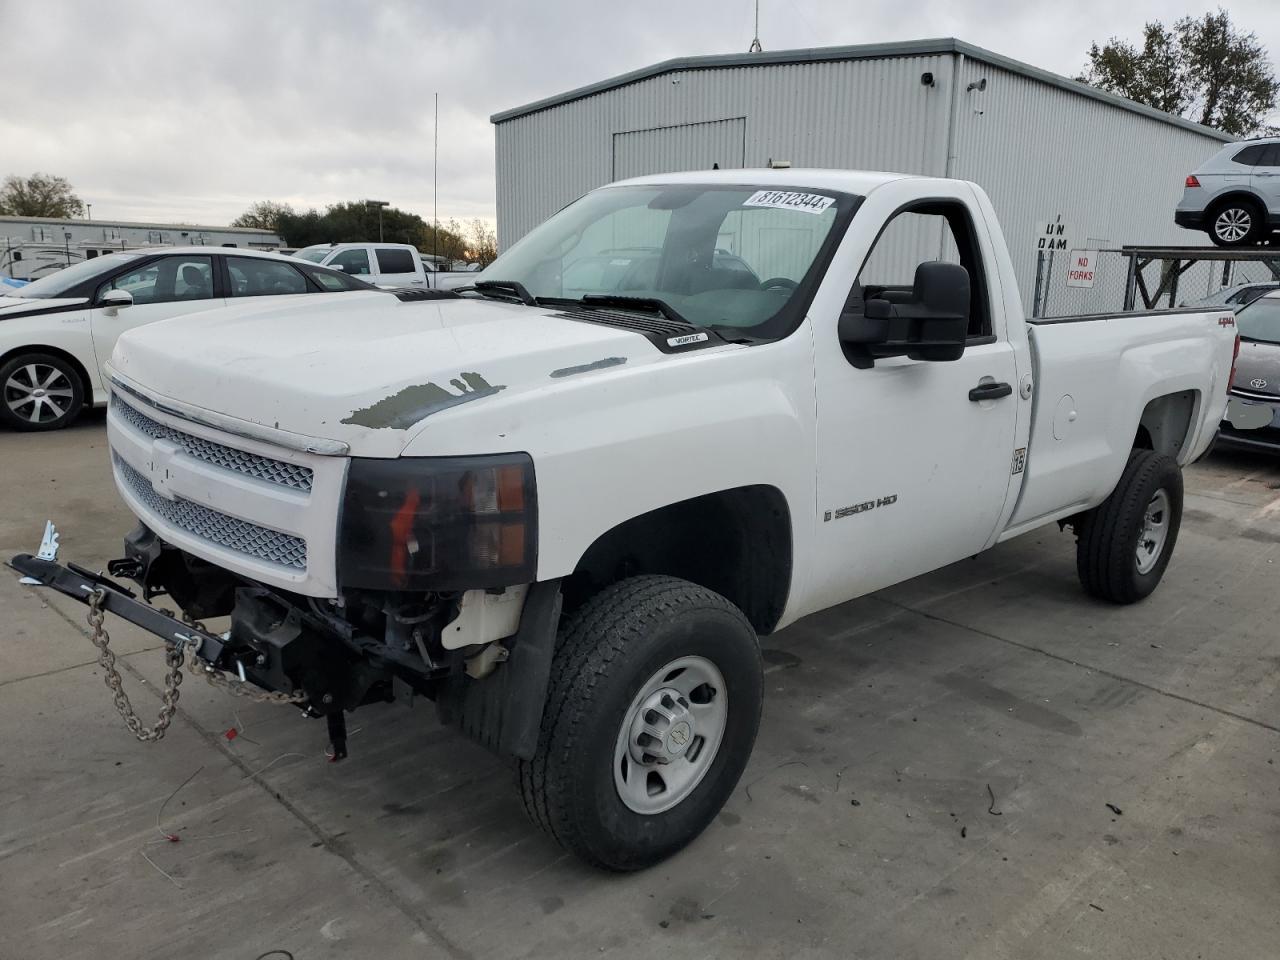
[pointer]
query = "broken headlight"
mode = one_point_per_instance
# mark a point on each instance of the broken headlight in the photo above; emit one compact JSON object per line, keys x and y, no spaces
{"x":439,"y":523}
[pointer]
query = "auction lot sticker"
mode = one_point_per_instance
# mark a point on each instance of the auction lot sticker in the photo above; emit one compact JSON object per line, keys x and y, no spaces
{"x":786,"y":200}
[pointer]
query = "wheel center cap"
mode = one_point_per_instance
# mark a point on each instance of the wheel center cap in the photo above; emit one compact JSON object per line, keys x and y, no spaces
{"x":38,"y":392}
{"x":679,"y":737}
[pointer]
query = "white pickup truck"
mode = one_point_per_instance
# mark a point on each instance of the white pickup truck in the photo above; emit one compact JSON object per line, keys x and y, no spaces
{"x":387,"y":265}
{"x":565,"y":509}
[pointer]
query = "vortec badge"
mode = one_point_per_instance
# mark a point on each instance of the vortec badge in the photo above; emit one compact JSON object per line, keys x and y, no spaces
{"x":687,"y":339}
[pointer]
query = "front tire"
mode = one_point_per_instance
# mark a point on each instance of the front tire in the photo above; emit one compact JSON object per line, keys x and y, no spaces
{"x":651,"y":715}
{"x":1123,"y":545}
{"x":39,"y":391}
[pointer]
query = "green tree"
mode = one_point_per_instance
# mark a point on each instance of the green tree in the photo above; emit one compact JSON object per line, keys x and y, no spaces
{"x":264,"y":215}
{"x":39,"y":195}
{"x":350,"y":221}
{"x":1203,"y":69}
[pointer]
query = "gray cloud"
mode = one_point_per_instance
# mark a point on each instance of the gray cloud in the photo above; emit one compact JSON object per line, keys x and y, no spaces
{"x":164,"y":110}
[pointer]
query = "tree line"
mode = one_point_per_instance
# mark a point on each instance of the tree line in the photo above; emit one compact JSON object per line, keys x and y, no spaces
{"x":355,"y":220}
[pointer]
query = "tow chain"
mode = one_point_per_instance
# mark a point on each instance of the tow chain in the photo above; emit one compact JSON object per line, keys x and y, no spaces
{"x":174,"y":656}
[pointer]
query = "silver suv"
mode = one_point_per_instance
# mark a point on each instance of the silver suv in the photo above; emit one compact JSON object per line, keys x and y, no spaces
{"x":1235,"y":196}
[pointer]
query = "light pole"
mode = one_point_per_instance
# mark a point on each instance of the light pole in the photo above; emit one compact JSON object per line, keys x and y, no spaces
{"x":89,"y":208}
{"x":379,"y":204}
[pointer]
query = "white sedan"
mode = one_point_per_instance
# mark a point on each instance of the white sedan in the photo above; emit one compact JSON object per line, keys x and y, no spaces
{"x":56,"y":333}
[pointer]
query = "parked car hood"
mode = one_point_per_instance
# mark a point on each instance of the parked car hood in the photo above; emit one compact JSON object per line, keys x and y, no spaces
{"x":365,"y":369}
{"x":1258,"y":368}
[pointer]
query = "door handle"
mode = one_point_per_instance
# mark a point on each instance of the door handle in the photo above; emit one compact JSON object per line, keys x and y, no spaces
{"x":990,"y":391}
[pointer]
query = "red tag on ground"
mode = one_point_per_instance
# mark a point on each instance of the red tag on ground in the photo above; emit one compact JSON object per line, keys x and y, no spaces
{"x":231,"y":733}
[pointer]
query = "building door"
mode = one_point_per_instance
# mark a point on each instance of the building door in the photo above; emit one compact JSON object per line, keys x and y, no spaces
{"x":688,"y":146}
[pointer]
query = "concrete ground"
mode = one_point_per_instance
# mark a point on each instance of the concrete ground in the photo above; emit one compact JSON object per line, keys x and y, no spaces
{"x":980,"y":763}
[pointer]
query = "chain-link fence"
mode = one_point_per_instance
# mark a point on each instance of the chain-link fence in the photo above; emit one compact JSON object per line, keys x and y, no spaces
{"x":1076,"y":283}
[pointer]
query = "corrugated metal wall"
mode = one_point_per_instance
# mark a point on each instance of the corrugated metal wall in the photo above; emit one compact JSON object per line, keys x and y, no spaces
{"x":873,"y":114}
{"x":1114,"y":176}
{"x":687,"y":146}
{"x":1038,"y":150}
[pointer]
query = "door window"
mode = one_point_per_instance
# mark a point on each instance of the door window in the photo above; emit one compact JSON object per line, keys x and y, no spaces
{"x":251,"y":277}
{"x":354,"y":262}
{"x":166,"y":280}
{"x":932,"y":231}
{"x":393,"y":260}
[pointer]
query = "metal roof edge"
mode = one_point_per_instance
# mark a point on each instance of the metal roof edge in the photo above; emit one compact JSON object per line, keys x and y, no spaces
{"x":865,"y":51}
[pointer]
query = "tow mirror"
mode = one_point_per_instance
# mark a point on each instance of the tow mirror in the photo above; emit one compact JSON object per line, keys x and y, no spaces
{"x":113,"y":301}
{"x":928,"y":322}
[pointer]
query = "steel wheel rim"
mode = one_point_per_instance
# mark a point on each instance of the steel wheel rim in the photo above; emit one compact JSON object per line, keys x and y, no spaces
{"x":38,"y":393}
{"x":1155,"y":532}
{"x":1233,"y":224}
{"x":670,"y":735}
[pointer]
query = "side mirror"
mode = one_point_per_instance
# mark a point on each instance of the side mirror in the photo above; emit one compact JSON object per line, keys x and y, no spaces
{"x":114,"y":300}
{"x":928,"y":322}
{"x":336,"y":266}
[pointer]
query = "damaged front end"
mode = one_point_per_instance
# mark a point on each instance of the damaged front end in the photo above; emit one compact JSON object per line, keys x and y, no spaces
{"x":332,"y":656}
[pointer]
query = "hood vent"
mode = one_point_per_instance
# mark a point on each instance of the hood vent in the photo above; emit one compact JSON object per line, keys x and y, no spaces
{"x":667,"y":335}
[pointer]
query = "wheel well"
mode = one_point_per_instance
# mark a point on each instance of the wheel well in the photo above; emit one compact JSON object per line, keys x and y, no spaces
{"x":76,"y":365}
{"x":736,"y":542}
{"x":1240,"y":196}
{"x":1166,"y":423}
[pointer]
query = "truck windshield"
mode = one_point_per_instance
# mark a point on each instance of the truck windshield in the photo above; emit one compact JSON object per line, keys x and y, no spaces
{"x":57,"y":284}
{"x":1260,"y":320}
{"x":314,"y":254}
{"x":720,"y":256}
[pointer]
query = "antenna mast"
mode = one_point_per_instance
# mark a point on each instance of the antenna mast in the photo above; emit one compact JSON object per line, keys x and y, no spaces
{"x":755,"y":41}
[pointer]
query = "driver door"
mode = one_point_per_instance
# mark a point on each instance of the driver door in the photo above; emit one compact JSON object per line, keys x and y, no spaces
{"x":166,"y":287}
{"x":913,"y":473}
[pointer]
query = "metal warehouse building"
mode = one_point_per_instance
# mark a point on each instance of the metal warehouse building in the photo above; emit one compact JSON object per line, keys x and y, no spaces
{"x":1041,"y":145}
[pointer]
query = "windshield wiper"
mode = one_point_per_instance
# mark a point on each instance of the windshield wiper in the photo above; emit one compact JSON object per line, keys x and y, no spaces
{"x":635,"y":303}
{"x":511,"y":288}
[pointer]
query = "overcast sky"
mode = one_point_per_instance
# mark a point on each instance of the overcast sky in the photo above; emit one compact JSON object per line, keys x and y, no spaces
{"x":189,"y":112}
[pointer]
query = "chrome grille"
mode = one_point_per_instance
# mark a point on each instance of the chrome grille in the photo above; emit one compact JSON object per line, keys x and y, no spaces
{"x":250,"y":464}
{"x":208,"y":524}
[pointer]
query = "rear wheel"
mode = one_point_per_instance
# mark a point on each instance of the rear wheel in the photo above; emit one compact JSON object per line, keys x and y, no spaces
{"x":1236,"y":223}
{"x":39,"y":391}
{"x":1123,"y":545}
{"x":651,"y":715}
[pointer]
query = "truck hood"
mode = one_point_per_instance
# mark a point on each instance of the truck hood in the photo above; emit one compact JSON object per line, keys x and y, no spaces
{"x":365,"y":369}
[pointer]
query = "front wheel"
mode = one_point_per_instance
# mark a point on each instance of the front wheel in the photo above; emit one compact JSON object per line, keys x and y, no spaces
{"x":1123,"y":545}
{"x":39,"y":391}
{"x":650,"y":718}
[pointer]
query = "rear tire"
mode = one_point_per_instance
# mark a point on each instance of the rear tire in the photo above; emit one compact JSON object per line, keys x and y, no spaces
{"x":616,"y":681}
{"x":1123,"y":545}
{"x":1236,"y":223}
{"x":39,"y":391}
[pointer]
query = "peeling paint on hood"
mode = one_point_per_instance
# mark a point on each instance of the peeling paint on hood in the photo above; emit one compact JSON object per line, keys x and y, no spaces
{"x":418,"y":401}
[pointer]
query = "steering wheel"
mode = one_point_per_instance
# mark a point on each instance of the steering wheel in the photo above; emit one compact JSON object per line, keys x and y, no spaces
{"x":782,"y":283}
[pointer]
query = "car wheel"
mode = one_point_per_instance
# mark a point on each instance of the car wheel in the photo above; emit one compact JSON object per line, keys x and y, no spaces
{"x":1237,"y":223}
{"x":1123,"y":545}
{"x":39,"y":391}
{"x":650,"y":718}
